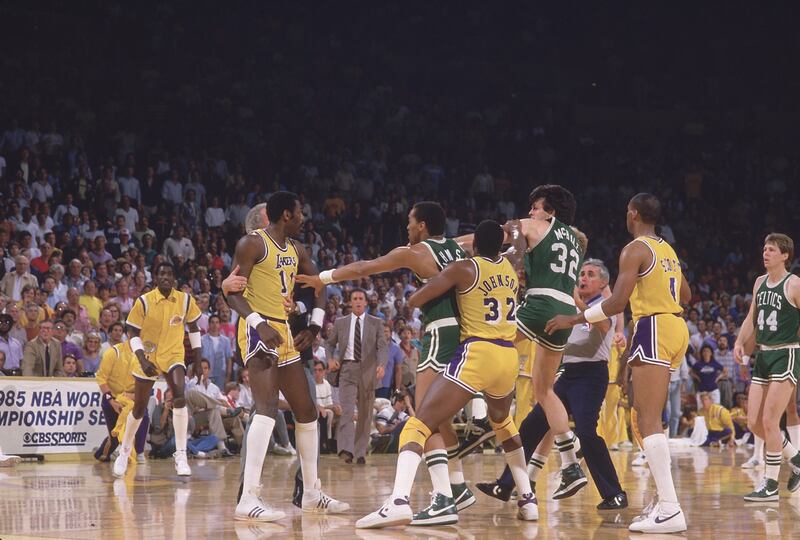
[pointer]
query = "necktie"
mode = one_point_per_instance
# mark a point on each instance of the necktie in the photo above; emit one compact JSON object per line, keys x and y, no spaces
{"x":357,"y":341}
{"x":47,"y":360}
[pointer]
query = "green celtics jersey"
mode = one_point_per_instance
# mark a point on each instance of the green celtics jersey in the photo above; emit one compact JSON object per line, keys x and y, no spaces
{"x":777,"y":319}
{"x":554,"y":263}
{"x":444,"y":251}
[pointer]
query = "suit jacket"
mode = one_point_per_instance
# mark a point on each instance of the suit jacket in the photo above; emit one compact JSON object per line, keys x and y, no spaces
{"x":374,"y":349}
{"x":7,"y":283}
{"x":33,"y":359}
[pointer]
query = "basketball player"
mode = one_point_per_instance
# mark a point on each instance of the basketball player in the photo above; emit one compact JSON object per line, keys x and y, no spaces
{"x":650,"y":277}
{"x":552,"y":257}
{"x":270,"y":260}
{"x":155,"y":332}
{"x":486,"y":361}
{"x":775,"y":318}
{"x":427,"y":254}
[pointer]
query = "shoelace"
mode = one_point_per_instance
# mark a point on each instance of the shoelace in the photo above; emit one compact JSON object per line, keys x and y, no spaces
{"x":649,"y":509}
{"x":762,"y":484}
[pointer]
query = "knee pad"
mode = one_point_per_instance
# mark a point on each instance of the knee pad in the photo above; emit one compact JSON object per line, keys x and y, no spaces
{"x":505,"y":429}
{"x":414,"y":431}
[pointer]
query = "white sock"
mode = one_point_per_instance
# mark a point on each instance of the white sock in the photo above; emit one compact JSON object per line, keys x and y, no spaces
{"x":535,"y":466}
{"x":305,"y":435}
{"x":789,"y":451}
{"x":758,"y":448}
{"x":257,"y":442}
{"x":479,"y":408}
{"x":180,"y":421}
{"x":131,"y":427}
{"x":794,"y":435}
{"x":455,"y":467}
{"x":656,"y":448}
{"x":773,"y":467}
{"x":566,"y":448}
{"x":437,"y":466}
{"x":407,"y":463}
{"x":516,"y":462}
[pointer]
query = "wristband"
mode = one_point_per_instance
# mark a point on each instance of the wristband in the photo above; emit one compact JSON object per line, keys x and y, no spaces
{"x":194,"y":339}
{"x":300,"y":308}
{"x":317,"y":317}
{"x":253,"y":320}
{"x":326,"y":277}
{"x":745,"y":360}
{"x":136,"y":344}
{"x":595,"y":314}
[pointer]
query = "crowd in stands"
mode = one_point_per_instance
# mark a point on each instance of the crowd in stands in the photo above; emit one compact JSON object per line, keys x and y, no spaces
{"x":120,"y":158}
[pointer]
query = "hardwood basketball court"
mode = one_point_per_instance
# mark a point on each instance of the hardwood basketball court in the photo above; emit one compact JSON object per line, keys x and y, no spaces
{"x":81,"y":500}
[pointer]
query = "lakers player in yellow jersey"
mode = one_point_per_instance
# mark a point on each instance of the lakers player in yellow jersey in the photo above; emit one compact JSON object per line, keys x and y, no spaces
{"x":486,"y":361}
{"x":155,"y":331}
{"x":650,"y":277}
{"x":269,"y":259}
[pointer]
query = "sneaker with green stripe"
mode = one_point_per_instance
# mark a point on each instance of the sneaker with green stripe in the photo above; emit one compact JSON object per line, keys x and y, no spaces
{"x":441,"y":511}
{"x":463,"y":497}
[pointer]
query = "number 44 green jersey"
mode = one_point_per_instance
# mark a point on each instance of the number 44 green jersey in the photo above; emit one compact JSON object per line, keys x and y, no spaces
{"x":777,"y":319}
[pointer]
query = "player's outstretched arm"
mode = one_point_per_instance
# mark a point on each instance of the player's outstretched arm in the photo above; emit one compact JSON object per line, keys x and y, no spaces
{"x":305,"y":338}
{"x":398,"y":258}
{"x":633,"y":257}
{"x":459,"y":274}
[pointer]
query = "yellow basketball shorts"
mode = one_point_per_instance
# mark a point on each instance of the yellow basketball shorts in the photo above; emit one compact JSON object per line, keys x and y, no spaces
{"x":490,"y":366}
{"x":250,"y":342}
{"x":660,"y":340}
{"x":163,"y":364}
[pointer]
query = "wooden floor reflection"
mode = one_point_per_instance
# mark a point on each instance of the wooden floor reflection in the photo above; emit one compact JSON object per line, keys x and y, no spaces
{"x":83,"y":501}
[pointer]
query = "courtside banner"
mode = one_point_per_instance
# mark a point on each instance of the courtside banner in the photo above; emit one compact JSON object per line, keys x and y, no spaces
{"x":52,"y":415}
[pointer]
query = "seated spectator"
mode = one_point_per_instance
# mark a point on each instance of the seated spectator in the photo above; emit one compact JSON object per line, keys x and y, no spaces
{"x":9,"y":345}
{"x":393,"y":373}
{"x":216,"y":348}
{"x":162,"y":433}
{"x":410,"y":358}
{"x":42,"y":355}
{"x":91,"y":303}
{"x":70,"y":366}
{"x":207,"y":405}
{"x":328,"y":410}
{"x":18,"y":331}
{"x":707,"y":372}
{"x":390,"y":420}
{"x":718,"y":421}
{"x":30,"y":319}
{"x":91,"y":355}
{"x":73,"y":334}
{"x":67,"y":348}
{"x":245,"y":393}
{"x":12,"y":283}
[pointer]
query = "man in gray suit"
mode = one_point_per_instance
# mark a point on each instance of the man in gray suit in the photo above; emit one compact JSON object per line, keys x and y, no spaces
{"x":42,"y":356}
{"x":361,"y":359}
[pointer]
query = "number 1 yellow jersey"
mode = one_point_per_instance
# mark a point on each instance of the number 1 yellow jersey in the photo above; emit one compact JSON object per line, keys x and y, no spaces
{"x":658,"y":288}
{"x":488,"y":306}
{"x":272,"y":278}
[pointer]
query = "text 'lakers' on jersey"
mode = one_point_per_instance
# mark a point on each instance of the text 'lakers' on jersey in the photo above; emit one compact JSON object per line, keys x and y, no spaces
{"x":658,"y":288}
{"x":161,"y":322}
{"x":487,"y":307}
{"x":272,"y":278}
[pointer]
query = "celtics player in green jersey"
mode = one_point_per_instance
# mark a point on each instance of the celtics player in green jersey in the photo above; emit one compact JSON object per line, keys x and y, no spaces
{"x":552,"y":255}
{"x":774,"y":317}
{"x":427,"y":253}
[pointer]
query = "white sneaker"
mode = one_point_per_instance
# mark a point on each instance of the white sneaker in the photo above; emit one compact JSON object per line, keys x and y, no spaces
{"x":527,"y":508}
{"x":280,"y":450}
{"x":140,"y":458}
{"x":252,"y":508}
{"x":314,"y":500}
{"x":661,"y":522}
{"x":751,"y":463}
{"x":640,"y":460}
{"x":121,"y":463}
{"x":181,"y":463}
{"x":393,"y":512}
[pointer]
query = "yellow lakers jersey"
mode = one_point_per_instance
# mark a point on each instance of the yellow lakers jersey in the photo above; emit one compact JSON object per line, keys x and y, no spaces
{"x":115,"y":369}
{"x":487,"y":307}
{"x":272,"y":278}
{"x":658,"y":288}
{"x":161,"y":322}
